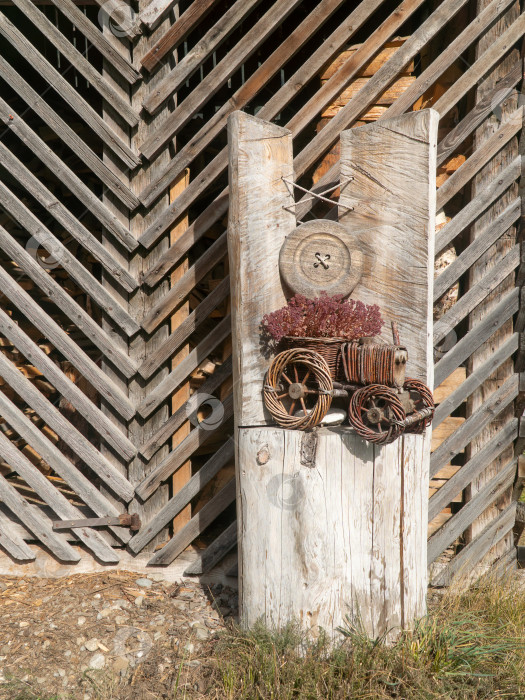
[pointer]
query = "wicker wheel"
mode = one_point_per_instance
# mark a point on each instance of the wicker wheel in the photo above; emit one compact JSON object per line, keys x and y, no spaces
{"x":370,"y":413}
{"x":298,"y":378}
{"x":422,"y":398}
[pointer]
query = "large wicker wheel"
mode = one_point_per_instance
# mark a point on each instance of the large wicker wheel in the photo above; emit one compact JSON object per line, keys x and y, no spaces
{"x":298,"y":379}
{"x":422,"y":398}
{"x":371,"y":412}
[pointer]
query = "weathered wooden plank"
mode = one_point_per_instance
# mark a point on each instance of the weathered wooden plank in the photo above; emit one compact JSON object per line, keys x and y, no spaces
{"x":168,"y":385}
{"x":181,"y":499}
{"x":85,"y":365}
{"x":197,"y":524}
{"x":214,"y":552}
{"x":56,"y":421}
{"x":67,"y":260}
{"x":463,"y":563}
{"x":308,"y":70}
{"x":388,"y":161}
{"x":54,"y":498}
{"x":259,"y":221}
{"x":75,"y":57}
{"x":474,"y":380}
{"x":11,"y":120}
{"x":472,"y":468}
{"x":12,"y":542}
{"x":479,"y":158}
{"x":485,"y":413}
{"x":197,"y":437}
{"x":492,"y":233}
{"x":185,"y":329}
{"x":71,"y":223}
{"x":64,"y":131}
{"x":62,"y":466}
{"x":122,"y":17}
{"x":98,"y":40}
{"x":166,"y":430}
{"x":176,"y":33}
{"x":66,"y":387}
{"x":53,"y":77}
{"x":459,"y":522}
{"x":62,"y":299}
{"x":36,"y":522}
{"x":483,"y":108}
{"x":154,"y":12}
{"x":478,"y":335}
{"x":468,"y":301}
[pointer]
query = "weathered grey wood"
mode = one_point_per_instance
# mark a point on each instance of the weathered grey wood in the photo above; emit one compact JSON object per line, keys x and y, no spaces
{"x":197,"y":524}
{"x":121,"y":16}
{"x":64,"y":131}
{"x":175,"y":421}
{"x":65,"y":386}
{"x":22,"y":301}
{"x":215,"y":551}
{"x":65,"y":302}
{"x":185,"y":329}
{"x":168,"y":385}
{"x":469,"y":471}
{"x":260,"y":156}
{"x":390,"y":160}
{"x":67,"y":260}
{"x":462,"y":565}
{"x":475,"y":295}
{"x":36,"y":522}
{"x":474,"y":380}
{"x":459,"y":522}
{"x":479,"y":158}
{"x":66,"y":219}
{"x":53,"y":77}
{"x":75,"y":57}
{"x":486,"y":412}
{"x":56,"y":421}
{"x":97,"y":38}
{"x":54,"y":498}
{"x":12,"y":542}
{"x":63,"y":467}
{"x":492,"y":233}
{"x":11,"y":120}
{"x":478,"y":335}
{"x":483,"y":108}
{"x":477,"y":205}
{"x":181,"y":499}
{"x":197,"y":437}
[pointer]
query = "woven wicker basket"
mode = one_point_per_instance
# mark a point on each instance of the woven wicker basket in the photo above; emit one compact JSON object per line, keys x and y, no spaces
{"x":328,"y":348}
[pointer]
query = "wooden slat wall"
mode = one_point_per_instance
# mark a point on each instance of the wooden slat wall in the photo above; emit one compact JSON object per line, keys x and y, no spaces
{"x":98,"y":136}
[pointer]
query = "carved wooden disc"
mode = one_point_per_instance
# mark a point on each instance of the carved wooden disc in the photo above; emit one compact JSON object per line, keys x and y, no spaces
{"x":320,"y":256}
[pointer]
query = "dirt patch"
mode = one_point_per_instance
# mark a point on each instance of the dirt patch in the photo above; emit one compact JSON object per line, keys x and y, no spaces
{"x":114,"y":635}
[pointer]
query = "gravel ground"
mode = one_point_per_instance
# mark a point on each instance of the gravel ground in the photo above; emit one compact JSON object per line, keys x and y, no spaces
{"x":105,"y":636}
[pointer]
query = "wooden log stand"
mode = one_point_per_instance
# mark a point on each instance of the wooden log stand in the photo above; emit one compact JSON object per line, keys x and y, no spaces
{"x":332,"y":529}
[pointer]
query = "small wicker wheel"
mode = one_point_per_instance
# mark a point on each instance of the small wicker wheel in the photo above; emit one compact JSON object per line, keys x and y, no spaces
{"x":371,"y":410}
{"x":422,"y":398}
{"x":298,"y":378}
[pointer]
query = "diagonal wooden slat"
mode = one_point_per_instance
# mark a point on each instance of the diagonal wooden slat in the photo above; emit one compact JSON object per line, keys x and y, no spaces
{"x":61,"y":298}
{"x":56,"y":421}
{"x":12,"y":543}
{"x":121,"y":17}
{"x":154,"y":12}
{"x":73,"y":55}
{"x":62,"y":466}
{"x":68,"y":136}
{"x":50,"y":329}
{"x":53,"y":77}
{"x":10,"y":119}
{"x":64,"y":217}
{"x":54,"y":498}
{"x":85,"y":280}
{"x":100,"y":422}
{"x":214,"y":552}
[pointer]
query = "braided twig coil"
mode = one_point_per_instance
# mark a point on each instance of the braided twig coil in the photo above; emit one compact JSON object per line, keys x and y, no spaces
{"x":422,"y":397}
{"x":376,"y":396}
{"x":287,"y":368}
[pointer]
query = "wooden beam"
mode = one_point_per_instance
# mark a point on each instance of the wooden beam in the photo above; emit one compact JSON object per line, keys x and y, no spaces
{"x":214,"y":552}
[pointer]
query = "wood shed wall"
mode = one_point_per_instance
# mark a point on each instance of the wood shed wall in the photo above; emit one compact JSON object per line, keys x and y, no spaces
{"x":114,"y":318}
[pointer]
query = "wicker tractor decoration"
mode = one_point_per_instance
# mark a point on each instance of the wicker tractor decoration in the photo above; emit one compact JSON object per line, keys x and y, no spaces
{"x":301,"y":384}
